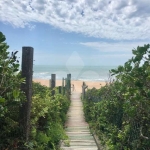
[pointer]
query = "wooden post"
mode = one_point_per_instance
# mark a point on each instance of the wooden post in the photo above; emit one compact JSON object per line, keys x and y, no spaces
{"x":66,"y":85}
{"x":63,"y":88}
{"x":53,"y":83}
{"x":62,"y":82}
{"x":59,"y":89}
{"x":69,"y":83}
{"x":50,"y":83}
{"x":27,"y":71}
{"x":83,"y":90}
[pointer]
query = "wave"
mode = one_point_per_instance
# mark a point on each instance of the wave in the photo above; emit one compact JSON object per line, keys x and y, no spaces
{"x":86,"y":74}
{"x":43,"y":73}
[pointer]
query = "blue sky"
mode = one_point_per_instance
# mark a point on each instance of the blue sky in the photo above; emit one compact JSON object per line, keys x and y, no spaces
{"x":76,"y":32}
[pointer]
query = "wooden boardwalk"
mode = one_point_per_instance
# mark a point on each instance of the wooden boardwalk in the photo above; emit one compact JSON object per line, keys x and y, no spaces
{"x":77,"y":129}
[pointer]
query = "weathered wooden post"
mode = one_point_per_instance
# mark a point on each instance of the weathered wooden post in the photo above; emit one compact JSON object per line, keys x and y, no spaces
{"x":59,"y":89}
{"x":66,"y":86}
{"x":83,"y":90}
{"x":27,"y":71}
{"x":53,"y":83}
{"x":50,"y":83}
{"x":63,"y":88}
{"x":69,"y":83}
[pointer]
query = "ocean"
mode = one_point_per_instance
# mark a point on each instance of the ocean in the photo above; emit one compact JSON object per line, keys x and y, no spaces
{"x":86,"y":73}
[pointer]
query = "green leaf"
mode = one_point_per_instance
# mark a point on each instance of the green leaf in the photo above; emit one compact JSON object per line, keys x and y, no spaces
{"x":134,"y":51}
{"x":139,"y":84}
{"x":138,"y":58}
{"x":2,"y":100}
{"x":120,"y":68}
{"x":142,"y":50}
{"x":2,"y":37}
{"x":148,"y":94}
{"x":16,"y":93}
{"x":114,"y":71}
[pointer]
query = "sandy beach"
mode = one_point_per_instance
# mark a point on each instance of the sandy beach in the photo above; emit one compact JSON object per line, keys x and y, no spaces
{"x":77,"y":83}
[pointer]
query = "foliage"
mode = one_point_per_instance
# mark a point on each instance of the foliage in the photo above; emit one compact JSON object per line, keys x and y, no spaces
{"x":10,"y":96}
{"x":121,"y":113}
{"x":48,"y":113}
{"x":47,"y":118}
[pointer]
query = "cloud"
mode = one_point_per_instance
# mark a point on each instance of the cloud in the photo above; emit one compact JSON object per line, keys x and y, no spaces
{"x":107,"y":19}
{"x":122,"y":47}
{"x":114,"y":56}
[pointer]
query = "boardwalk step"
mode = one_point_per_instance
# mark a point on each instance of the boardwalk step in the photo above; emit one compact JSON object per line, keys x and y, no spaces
{"x":78,"y":148}
{"x":81,"y":137}
{"x":79,"y":133}
{"x":81,"y":143}
{"x":78,"y":128}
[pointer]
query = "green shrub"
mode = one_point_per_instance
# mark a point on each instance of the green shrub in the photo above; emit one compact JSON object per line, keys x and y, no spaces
{"x":121,"y":113}
{"x":11,"y":97}
{"x":48,"y":116}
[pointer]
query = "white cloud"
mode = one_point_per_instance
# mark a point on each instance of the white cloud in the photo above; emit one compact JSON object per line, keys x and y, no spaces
{"x":114,"y":56}
{"x":125,"y":47}
{"x":110,"y":19}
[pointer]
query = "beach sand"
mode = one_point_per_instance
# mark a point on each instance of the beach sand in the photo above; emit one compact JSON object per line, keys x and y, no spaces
{"x":77,"y":84}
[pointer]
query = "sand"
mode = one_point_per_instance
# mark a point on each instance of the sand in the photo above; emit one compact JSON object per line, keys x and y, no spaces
{"x":77,"y":83}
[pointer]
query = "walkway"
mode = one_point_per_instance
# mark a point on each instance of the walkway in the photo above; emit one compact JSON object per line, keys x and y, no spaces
{"x":77,"y":129}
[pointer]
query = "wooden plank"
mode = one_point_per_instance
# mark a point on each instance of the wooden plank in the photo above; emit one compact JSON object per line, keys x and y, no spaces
{"x":53,"y":83}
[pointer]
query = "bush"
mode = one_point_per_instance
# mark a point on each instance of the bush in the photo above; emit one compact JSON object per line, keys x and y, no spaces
{"x":48,"y":113}
{"x":121,"y":114}
{"x":47,"y":118}
{"x":11,"y":97}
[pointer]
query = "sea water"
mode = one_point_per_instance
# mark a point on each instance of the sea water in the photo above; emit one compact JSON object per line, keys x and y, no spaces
{"x":86,"y":73}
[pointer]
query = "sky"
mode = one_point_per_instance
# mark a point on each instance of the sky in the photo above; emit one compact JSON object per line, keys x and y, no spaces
{"x":76,"y":32}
